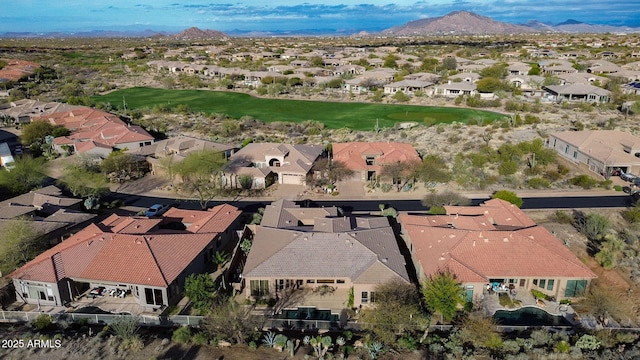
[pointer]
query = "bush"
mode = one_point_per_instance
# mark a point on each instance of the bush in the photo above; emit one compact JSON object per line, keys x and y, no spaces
{"x":584,"y":181}
{"x":42,"y":322}
{"x":407,"y":342}
{"x":562,"y":217}
{"x":181,"y":335}
{"x":538,"y":294}
{"x":538,"y":183}
{"x":632,"y":215}
{"x":508,"y":196}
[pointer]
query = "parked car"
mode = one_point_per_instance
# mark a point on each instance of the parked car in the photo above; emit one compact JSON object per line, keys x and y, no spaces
{"x":156,"y":210}
{"x":627,"y":177}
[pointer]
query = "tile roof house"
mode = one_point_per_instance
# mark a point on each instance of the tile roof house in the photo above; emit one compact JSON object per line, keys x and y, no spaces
{"x":178,"y":148}
{"x":455,"y":89}
{"x":309,"y":249}
{"x":600,"y":151}
{"x":52,"y":214}
{"x":148,"y":258}
{"x":577,"y":92}
{"x":22,"y":111}
{"x":272,"y":163}
{"x":493,"y":243}
{"x":105,"y":130}
{"x":366,"y":159}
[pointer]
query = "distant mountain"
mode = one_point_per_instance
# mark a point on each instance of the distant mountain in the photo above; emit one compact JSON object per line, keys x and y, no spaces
{"x":83,"y":34}
{"x":196,"y":33}
{"x":457,"y":23}
{"x":570,"y":22}
{"x":539,"y":26}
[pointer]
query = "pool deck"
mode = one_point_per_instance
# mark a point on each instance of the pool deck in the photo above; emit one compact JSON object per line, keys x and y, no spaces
{"x":491,"y":304}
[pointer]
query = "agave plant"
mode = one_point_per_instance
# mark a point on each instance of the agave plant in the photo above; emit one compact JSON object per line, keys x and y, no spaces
{"x":269,"y":339}
{"x":374,"y":349}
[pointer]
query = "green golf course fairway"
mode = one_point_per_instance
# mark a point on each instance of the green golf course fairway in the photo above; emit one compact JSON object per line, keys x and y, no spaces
{"x":335,"y":115}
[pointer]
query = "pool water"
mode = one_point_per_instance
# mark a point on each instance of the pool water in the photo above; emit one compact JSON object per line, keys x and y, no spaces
{"x":309,"y":313}
{"x":528,"y":316}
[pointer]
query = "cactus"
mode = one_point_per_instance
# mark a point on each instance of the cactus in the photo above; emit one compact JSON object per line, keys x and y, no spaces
{"x":269,"y":339}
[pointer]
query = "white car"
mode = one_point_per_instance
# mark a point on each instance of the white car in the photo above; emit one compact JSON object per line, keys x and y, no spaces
{"x":627,"y":177}
{"x":156,"y":210}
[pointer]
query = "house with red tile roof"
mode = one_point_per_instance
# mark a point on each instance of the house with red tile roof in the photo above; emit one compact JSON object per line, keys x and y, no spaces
{"x":308,"y":250}
{"x":148,"y":258}
{"x":366,"y":159}
{"x":493,"y":243}
{"x":101,"y":131}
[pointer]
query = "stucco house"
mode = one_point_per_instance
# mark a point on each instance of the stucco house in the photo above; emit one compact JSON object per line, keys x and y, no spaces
{"x":409,"y":87}
{"x":366,"y":159}
{"x":272,"y":163}
{"x":455,"y":89}
{"x":178,"y":148}
{"x":147,"y":258}
{"x":577,"y":92}
{"x":600,"y":151}
{"x":309,"y":250}
{"x":101,"y":128}
{"x":493,"y":243}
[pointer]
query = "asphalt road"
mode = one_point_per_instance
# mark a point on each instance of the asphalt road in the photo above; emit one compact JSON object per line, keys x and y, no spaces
{"x":573,"y":202}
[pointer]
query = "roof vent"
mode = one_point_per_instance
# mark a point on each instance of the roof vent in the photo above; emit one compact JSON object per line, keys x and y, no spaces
{"x":474,"y":243}
{"x":486,"y":240}
{"x":505,"y":239}
{"x":385,"y":260}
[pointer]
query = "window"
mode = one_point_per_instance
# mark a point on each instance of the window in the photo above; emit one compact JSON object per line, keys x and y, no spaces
{"x":365,"y":297}
{"x":326,"y":281}
{"x":550,"y":284}
{"x":153,"y":296}
{"x":554,"y":142}
{"x":513,"y":281}
{"x":575,"y":288}
{"x":543,"y":282}
{"x":340,"y":281}
{"x":566,"y":149}
{"x":259,"y":288}
{"x":535,"y":282}
{"x":372,"y":297}
{"x":311,"y":281}
{"x":575,"y":154}
{"x":523,"y":282}
{"x":369,"y":160}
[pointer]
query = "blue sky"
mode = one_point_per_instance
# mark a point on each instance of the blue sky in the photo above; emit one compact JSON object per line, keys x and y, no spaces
{"x":288,"y":15}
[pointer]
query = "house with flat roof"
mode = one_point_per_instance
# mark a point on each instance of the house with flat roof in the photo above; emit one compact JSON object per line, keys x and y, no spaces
{"x":493,"y":243}
{"x":146,"y":258}
{"x":600,"y":151}
{"x":366,"y":159}
{"x":322,"y":256}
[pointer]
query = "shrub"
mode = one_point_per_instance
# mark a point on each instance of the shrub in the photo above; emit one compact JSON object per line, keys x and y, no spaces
{"x":42,"y":322}
{"x":584,"y":181}
{"x":617,"y":188}
{"x":563,"y":347}
{"x":562,"y":217}
{"x":200,"y":339}
{"x":437,"y":210}
{"x":538,"y":183}
{"x":588,"y":342}
{"x":538,"y":294}
{"x":632,"y":215}
{"x":508,"y":196}
{"x":407,"y":342}
{"x":181,"y":335}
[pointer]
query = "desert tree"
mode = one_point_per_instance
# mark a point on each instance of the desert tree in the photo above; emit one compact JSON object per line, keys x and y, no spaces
{"x":84,"y":182}
{"x":326,"y":171}
{"x":508,"y":196}
{"x":201,"y":291}
{"x":28,"y":173}
{"x":602,"y":301}
{"x":401,"y":173}
{"x":396,"y":311}
{"x":233,"y":322}
{"x":442,"y":293}
{"x":445,"y":198}
{"x":201,"y":174}
{"x":20,"y":243}
{"x":434,"y":169}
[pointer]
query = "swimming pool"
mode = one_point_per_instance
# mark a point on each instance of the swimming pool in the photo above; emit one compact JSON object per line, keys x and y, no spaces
{"x":528,"y":316}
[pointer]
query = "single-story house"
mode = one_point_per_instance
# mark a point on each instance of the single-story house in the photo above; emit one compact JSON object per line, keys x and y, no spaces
{"x":147,"y":258}
{"x":279,"y":163}
{"x":366,"y":159}
{"x":601,"y":151}
{"x":455,"y":89}
{"x":577,"y":92}
{"x":493,"y":243}
{"x":314,"y":249}
{"x":408,"y":87}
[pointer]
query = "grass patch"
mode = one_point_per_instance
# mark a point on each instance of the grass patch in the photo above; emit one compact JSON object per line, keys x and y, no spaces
{"x":335,"y":115}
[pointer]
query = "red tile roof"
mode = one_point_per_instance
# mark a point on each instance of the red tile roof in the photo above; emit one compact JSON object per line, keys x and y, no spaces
{"x":129,"y":250}
{"x":353,"y":154}
{"x":475,"y":253}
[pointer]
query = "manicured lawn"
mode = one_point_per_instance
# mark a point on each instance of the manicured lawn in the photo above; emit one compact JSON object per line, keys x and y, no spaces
{"x":357,"y":116}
